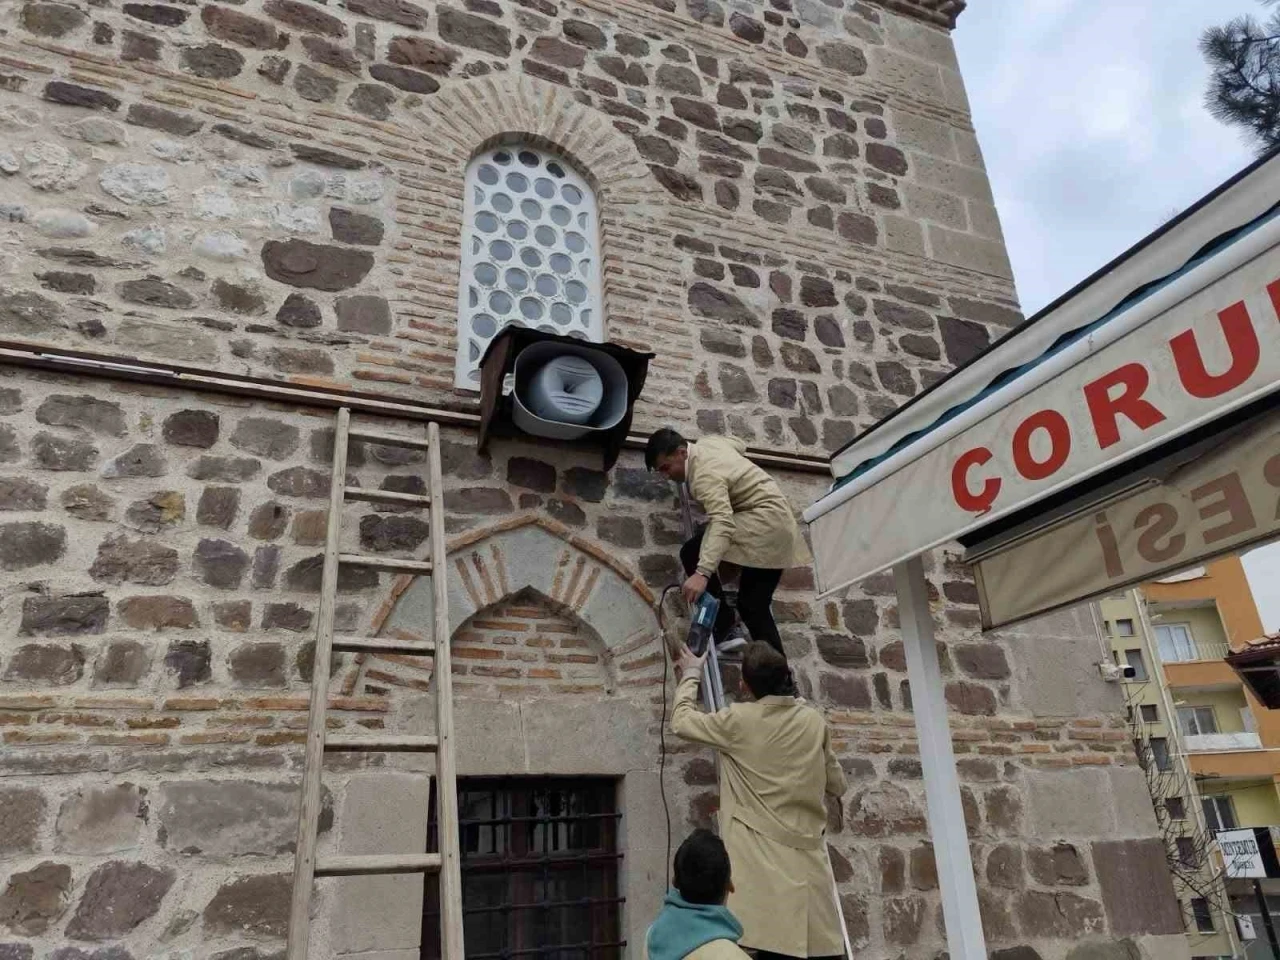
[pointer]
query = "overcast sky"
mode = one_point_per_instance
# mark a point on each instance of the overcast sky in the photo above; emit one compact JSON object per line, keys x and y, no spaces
{"x":1091,"y":118}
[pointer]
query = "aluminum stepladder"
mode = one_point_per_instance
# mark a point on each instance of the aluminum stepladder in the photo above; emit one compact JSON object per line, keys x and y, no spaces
{"x":713,"y":700}
{"x":446,"y":862}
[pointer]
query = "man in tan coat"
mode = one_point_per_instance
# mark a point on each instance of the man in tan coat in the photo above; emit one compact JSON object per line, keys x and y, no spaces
{"x":749,"y":523}
{"x":776,"y":765}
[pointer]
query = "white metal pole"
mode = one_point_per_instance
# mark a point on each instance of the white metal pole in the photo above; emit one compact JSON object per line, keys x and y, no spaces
{"x":937,"y":758}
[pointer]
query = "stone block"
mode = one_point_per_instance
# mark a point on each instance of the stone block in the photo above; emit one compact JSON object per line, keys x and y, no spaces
{"x":904,"y":235}
{"x":255,"y":906}
{"x":380,"y":913}
{"x":226,"y":818}
{"x":118,"y":897}
{"x":969,"y":251}
{"x":46,"y":663}
{"x":22,"y":814}
{"x":34,"y":899}
{"x":1137,"y":890}
{"x":1070,"y":803}
{"x":916,"y":133}
{"x":99,"y":819}
{"x":122,"y":663}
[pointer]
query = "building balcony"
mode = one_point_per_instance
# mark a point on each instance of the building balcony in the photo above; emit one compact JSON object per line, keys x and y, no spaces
{"x":1236,"y":763}
{"x":1221,"y":742}
{"x":1207,"y":674}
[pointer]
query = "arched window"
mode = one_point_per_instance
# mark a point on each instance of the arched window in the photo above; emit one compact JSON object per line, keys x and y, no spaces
{"x":530,"y":252}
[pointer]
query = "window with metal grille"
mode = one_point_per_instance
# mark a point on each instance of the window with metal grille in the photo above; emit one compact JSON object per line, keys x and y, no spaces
{"x":539,"y":870}
{"x":1176,"y":808}
{"x":1219,"y":813}
{"x":1186,"y":851}
{"x":1149,"y":713}
{"x":1160,"y":751}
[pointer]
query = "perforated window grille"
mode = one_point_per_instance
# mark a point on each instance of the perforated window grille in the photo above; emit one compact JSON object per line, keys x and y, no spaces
{"x":530,"y":253}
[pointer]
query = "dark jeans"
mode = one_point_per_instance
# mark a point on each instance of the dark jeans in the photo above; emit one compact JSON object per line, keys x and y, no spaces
{"x":767,"y":955}
{"x":755,"y":596}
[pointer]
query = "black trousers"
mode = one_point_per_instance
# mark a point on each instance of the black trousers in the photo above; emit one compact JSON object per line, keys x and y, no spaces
{"x":755,"y":595}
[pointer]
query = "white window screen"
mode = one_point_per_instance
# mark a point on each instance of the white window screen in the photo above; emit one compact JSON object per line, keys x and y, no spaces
{"x":530,"y":253}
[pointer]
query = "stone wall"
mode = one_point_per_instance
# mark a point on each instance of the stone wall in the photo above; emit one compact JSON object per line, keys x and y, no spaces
{"x":794,"y":217}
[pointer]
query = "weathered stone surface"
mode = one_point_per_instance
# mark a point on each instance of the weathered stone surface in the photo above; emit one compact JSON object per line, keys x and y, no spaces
{"x":381,"y":533}
{"x":219,"y":563}
{"x":713,"y":303}
{"x":74,"y":95}
{"x":64,"y":616}
{"x":140,"y":460}
{"x":122,"y":663}
{"x":34,"y":899}
{"x":411,"y":80}
{"x":218,"y":507}
{"x":268,"y":521}
{"x":22,"y":814}
{"x":304,"y":576}
{"x":239,"y":28}
{"x":17,"y":493}
{"x":299,"y":482}
{"x":53,"y":664}
{"x":1058,"y":914}
{"x":225,"y":469}
{"x":191,"y":428}
{"x":158,"y":118}
{"x":139,"y":184}
{"x":159,"y":511}
{"x":52,"y":452}
{"x":287,"y":616}
{"x":106,"y":818}
{"x":1136,"y":887}
{"x":26,"y":313}
{"x":395,"y":11}
{"x":63,"y":281}
{"x":146,"y":562}
{"x":299,"y":312}
{"x":157,"y":613}
{"x":16,"y":951}
{"x":212,"y":61}
{"x":843,"y":690}
{"x":238,"y":298}
{"x":843,"y":651}
{"x":51,"y":19}
{"x":154,"y":292}
{"x":371,"y":100}
{"x":623,"y":531}
{"x":118,"y":897}
{"x":363,"y":314}
{"x":190,"y":661}
{"x":303,"y":264}
{"x":963,"y":339}
{"x":258,"y":665}
{"x":986,"y":661}
{"x":530,"y":473}
{"x":157,"y":13}
{"x":254,"y":906}
{"x":478,"y":500}
{"x":29,"y":543}
{"x":1059,"y":865}
{"x":231,"y":817}
{"x":305,"y":16}
{"x":273,"y":439}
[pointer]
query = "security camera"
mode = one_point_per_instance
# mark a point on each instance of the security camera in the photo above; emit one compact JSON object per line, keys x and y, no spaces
{"x":1116,"y":673}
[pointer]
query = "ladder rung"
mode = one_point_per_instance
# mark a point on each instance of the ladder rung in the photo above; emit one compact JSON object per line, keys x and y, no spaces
{"x":389,"y":439}
{"x":382,"y":645}
{"x":386,"y":496}
{"x":385,"y":563}
{"x":377,"y":863}
{"x":382,"y":743}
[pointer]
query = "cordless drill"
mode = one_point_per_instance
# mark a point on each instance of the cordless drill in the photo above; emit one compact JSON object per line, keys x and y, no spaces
{"x":701,"y":621}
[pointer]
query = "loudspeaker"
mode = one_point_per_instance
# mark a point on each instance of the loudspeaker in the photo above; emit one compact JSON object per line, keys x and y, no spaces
{"x":559,"y":388}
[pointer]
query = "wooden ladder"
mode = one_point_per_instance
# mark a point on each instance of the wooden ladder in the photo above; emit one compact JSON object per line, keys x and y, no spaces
{"x":307,"y":866}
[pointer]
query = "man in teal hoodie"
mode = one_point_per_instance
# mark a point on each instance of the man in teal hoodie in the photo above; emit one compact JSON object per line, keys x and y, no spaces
{"x":694,"y":923}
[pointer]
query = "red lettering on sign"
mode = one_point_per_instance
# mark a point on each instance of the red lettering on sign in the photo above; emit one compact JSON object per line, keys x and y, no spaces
{"x":1053,"y":423}
{"x":1231,"y":499}
{"x":981,"y":501}
{"x":1242,"y":341}
{"x":1273,"y":290}
{"x":1104,"y":409}
{"x":1159,"y":519}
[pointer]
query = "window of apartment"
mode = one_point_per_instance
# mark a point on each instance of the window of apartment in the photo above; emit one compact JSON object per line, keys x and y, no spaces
{"x":1134,"y":659}
{"x":1176,"y":808}
{"x":1186,"y":851}
{"x":1160,"y":752}
{"x":1106,"y":626}
{"x":1202,"y":915}
{"x":1174,"y":642}
{"x":1194,"y":721}
{"x":1219,"y":813}
{"x":530,"y":253}
{"x":1124,"y":627}
{"x":539,"y":870}
{"x":1150,"y":713}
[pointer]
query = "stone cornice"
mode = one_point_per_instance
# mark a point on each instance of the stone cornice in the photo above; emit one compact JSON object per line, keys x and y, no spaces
{"x":940,"y":12}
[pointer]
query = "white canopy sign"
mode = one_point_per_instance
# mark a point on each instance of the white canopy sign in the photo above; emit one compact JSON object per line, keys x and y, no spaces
{"x":1206,"y":344}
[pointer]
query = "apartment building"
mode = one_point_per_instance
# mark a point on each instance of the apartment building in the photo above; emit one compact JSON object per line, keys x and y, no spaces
{"x":1211,"y":751}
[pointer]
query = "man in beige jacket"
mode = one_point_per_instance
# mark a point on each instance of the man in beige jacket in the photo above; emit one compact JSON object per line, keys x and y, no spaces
{"x":749,"y":523}
{"x":776,"y":765}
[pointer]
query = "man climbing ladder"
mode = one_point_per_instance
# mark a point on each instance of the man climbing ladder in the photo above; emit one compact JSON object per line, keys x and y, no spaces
{"x":776,"y":765}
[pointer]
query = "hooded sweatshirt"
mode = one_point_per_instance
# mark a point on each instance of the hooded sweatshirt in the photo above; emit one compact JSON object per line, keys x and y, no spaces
{"x":682,"y":927}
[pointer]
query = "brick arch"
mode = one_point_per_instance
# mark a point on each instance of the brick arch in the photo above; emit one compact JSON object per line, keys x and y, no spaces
{"x":641,"y":282}
{"x":532,"y":555}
